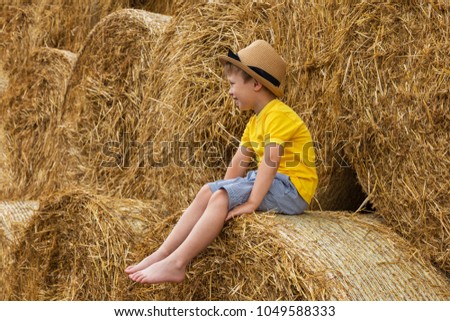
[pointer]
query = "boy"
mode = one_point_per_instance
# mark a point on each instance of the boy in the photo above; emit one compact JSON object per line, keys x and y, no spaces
{"x":285,"y":180}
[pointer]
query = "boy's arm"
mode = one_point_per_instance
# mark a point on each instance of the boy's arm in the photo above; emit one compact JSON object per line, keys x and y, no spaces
{"x":264,"y":178}
{"x":239,"y":163}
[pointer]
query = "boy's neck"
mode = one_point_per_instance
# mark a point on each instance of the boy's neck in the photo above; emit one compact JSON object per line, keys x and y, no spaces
{"x":262,"y":102}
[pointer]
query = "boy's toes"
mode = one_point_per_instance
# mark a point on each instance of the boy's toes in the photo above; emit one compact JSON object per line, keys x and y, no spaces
{"x":130,"y":269}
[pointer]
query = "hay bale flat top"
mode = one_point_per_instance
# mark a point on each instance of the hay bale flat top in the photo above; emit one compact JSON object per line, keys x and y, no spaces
{"x":3,"y":81}
{"x":12,"y":213}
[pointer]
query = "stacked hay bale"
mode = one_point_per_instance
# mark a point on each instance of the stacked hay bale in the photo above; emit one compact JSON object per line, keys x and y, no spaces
{"x":65,"y":24}
{"x":144,"y":89}
{"x":103,"y":104}
{"x":395,"y":111}
{"x":31,"y":103}
{"x":168,"y":7}
{"x":315,"y":256}
{"x":77,"y":244}
{"x":75,"y":247}
{"x":16,"y":37}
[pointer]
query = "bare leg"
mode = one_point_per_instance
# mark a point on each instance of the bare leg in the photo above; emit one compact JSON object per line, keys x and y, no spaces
{"x":180,"y":231}
{"x":208,"y":227}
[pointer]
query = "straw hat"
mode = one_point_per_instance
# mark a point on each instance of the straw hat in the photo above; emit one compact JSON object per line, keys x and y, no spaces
{"x":261,"y":62}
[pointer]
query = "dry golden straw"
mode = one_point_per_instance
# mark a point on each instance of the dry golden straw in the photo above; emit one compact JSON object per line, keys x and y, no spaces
{"x":369,"y":79}
{"x":103,"y":104}
{"x":395,"y":110}
{"x":31,"y":103}
{"x":77,"y":244}
{"x":5,"y":172}
{"x":16,"y":36}
{"x":377,"y":109}
{"x":75,"y":247}
{"x":13,"y":216}
{"x":314,"y":256}
{"x":15,"y":213}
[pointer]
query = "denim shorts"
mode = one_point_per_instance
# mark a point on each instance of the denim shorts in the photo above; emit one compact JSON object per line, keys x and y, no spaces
{"x":282,"y":196}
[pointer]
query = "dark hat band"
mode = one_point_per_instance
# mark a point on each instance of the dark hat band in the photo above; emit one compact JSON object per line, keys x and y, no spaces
{"x":259,"y":71}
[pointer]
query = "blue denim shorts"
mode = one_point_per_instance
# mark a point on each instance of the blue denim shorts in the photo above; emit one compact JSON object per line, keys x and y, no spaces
{"x":282,"y":196}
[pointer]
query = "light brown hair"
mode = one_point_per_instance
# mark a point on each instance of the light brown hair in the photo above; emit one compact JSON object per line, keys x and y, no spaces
{"x":229,"y":68}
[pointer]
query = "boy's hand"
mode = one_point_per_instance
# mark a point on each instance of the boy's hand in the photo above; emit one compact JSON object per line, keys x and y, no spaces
{"x":241,"y":209}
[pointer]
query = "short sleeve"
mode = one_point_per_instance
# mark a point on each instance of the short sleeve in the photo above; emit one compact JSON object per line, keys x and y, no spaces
{"x":279,"y":128}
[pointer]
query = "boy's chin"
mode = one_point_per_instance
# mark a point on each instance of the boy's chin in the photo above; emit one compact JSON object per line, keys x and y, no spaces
{"x":243,"y":107}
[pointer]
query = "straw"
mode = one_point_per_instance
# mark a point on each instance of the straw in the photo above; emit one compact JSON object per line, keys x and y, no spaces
{"x":75,"y":247}
{"x":30,"y":105}
{"x":103,"y":104}
{"x":315,"y":256}
{"x":394,"y":109}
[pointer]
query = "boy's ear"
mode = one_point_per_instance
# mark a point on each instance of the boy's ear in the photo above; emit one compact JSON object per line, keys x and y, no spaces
{"x":257,"y":86}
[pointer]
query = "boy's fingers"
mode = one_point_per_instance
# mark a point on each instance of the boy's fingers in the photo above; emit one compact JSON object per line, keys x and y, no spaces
{"x":231,"y":215}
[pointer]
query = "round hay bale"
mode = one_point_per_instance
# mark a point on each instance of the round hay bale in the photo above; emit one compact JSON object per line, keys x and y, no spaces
{"x":314,"y":256}
{"x":168,"y":7}
{"x":65,"y":24}
{"x":103,"y":104}
{"x":31,"y":103}
{"x":76,"y":247}
{"x":16,"y":36}
{"x":395,"y":107}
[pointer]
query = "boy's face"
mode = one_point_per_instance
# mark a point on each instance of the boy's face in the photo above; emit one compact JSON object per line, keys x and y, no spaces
{"x":241,"y":91}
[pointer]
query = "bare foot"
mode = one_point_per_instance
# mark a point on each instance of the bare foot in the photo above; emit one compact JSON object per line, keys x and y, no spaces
{"x":162,"y":271}
{"x":156,"y":256}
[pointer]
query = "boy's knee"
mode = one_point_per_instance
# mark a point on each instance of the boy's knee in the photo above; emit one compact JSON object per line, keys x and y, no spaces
{"x":220,"y":195}
{"x":205,"y":191}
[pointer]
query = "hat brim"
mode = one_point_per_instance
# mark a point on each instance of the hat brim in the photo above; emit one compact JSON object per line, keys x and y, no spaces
{"x":277,"y":91}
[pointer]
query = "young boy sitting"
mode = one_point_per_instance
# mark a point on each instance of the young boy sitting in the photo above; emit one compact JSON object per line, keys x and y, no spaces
{"x":285,"y":180}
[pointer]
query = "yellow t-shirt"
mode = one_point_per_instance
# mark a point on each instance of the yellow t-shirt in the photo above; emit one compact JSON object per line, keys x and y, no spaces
{"x":278,"y":123}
